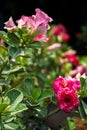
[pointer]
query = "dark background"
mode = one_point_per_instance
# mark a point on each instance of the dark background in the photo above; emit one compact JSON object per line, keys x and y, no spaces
{"x":70,"y":13}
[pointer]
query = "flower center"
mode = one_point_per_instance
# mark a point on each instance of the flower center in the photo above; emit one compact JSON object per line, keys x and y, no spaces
{"x":67,"y":99}
{"x":64,"y":85}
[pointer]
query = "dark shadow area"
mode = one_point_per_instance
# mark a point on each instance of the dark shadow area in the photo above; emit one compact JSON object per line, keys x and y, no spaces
{"x":70,"y":13}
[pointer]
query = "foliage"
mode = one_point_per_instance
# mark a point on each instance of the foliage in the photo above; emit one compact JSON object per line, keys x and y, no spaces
{"x":32,"y":55}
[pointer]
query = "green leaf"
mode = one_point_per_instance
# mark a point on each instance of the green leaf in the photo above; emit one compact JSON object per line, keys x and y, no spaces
{"x":82,"y":80}
{"x":14,"y":41}
{"x":35,"y":45}
{"x":16,"y":70}
{"x":27,"y":88}
{"x":46,"y":94}
{"x":2,"y":107}
{"x":42,"y":76}
{"x":20,"y":107}
{"x":6,"y":81}
{"x":82,"y":111}
{"x":71,"y":124}
{"x":36,"y":92}
{"x":8,"y":118}
{"x":84,"y":106}
{"x":3,"y":35}
{"x":11,"y":126}
{"x":14,"y":52}
{"x":85,"y":84}
{"x":15,"y":97}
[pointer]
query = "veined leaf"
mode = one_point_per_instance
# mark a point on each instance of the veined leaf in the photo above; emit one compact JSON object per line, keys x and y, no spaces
{"x":46,"y":94}
{"x":13,"y":41}
{"x":20,"y":107}
{"x":3,"y":35}
{"x":19,"y":70}
{"x":11,"y":126}
{"x":15,"y":97}
{"x":14,"y":52}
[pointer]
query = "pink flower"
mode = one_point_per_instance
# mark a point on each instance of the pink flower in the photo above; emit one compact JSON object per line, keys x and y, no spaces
{"x":61,"y":32}
{"x":69,"y":52}
{"x":55,"y":46}
{"x":73,"y":83}
{"x":38,"y":22}
{"x":9,"y":25}
{"x":23,"y":22}
{"x":67,"y":100}
{"x":65,"y":37}
{"x":73,"y":59}
{"x":42,"y":17}
{"x":59,"y":83}
{"x":41,"y":37}
{"x":57,"y":30}
{"x":66,"y":82}
{"x":41,"y":21}
{"x":79,"y":69}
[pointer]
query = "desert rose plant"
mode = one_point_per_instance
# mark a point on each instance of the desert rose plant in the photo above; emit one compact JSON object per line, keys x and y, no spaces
{"x":35,"y":62}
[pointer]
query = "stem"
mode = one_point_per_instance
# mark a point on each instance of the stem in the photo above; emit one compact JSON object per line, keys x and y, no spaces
{"x":52,"y":101}
{"x":53,"y":112}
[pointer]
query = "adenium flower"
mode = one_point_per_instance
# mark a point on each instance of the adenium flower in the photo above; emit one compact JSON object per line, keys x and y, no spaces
{"x":64,"y":37}
{"x":67,"y":99}
{"x":69,"y":52}
{"x":66,"y":82}
{"x":42,"y":18}
{"x":58,"y":29}
{"x":38,"y":22}
{"x":41,"y":37}
{"x":73,"y":83}
{"x":61,"y":32}
{"x":9,"y":25}
{"x":23,"y":22}
{"x":73,"y":59}
{"x":66,"y":89}
{"x":54,"y":46}
{"x":59,"y":83}
{"x":81,"y":69}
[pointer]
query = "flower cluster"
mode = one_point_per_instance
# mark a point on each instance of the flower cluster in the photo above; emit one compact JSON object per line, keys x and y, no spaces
{"x":66,"y":92}
{"x":34,"y":24}
{"x":32,"y":54}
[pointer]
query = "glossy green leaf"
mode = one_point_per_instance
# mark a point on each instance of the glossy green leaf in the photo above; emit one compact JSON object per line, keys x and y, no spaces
{"x":15,"y":97}
{"x":84,"y":106}
{"x":3,"y":35}
{"x":82,"y":80}
{"x":36,"y":92}
{"x":14,"y":52}
{"x":14,"y":41}
{"x":13,"y":71}
{"x":35,"y":45}
{"x":2,"y":107}
{"x":11,"y":126}
{"x":71,"y":124}
{"x":46,"y":94}
{"x":20,"y":107}
{"x":82,"y":111}
{"x":27,"y":87}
